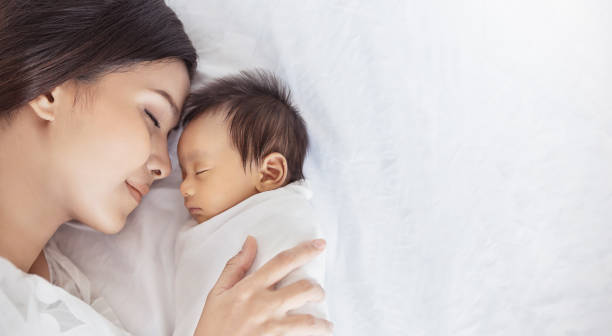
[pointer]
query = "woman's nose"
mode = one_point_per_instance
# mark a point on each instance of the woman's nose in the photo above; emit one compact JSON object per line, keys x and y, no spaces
{"x":159,"y":163}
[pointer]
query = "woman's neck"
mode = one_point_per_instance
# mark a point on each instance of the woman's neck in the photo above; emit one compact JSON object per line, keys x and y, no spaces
{"x":29,"y":214}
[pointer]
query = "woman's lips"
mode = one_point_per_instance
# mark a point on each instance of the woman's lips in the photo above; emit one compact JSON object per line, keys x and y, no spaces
{"x":139,"y":192}
{"x":134,"y":192}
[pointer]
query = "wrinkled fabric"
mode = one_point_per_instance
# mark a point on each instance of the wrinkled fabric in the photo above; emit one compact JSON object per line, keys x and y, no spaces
{"x":30,"y":305}
{"x":277,"y":219}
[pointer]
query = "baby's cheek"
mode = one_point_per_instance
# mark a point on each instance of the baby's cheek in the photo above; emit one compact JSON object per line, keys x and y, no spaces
{"x":217,"y":204}
{"x":216,"y":201}
{"x":204,"y":198}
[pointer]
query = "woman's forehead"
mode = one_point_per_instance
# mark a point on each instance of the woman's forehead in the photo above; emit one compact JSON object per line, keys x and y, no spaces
{"x":169,"y":78}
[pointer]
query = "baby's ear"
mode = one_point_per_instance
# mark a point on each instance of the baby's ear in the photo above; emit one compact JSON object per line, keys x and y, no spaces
{"x":272,"y":172}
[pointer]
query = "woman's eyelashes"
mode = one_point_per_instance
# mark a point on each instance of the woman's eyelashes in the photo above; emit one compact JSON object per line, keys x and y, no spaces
{"x":155,"y":121}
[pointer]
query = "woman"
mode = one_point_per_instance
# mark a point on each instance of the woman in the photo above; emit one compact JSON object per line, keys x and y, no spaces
{"x":89,"y":90}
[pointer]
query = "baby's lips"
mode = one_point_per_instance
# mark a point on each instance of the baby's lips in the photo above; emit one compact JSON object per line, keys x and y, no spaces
{"x":194,"y":210}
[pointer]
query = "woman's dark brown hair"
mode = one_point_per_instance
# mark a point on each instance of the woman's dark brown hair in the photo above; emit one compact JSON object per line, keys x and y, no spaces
{"x":44,"y":43}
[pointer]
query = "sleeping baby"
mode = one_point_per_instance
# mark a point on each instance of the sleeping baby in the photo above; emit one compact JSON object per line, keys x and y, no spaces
{"x":241,"y":156}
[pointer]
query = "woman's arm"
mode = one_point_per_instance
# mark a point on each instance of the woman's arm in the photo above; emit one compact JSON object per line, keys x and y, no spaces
{"x":239,"y":305}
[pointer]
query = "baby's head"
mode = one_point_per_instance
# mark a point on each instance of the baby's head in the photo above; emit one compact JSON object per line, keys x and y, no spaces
{"x":242,"y":136}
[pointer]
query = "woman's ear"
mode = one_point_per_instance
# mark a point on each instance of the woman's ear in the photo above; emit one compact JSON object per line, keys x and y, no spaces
{"x":45,"y":106}
{"x":272,"y":172}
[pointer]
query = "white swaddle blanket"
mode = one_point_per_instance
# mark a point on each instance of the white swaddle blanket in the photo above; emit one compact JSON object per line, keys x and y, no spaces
{"x":278,"y":219}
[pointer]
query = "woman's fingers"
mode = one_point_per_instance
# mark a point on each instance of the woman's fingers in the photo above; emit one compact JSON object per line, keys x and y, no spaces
{"x":285,"y":262}
{"x":298,"y":293}
{"x":302,"y":325}
{"x":250,"y":306}
{"x":236,"y":267}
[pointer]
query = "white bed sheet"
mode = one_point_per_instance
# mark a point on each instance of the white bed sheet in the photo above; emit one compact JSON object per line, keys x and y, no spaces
{"x":461,"y":155}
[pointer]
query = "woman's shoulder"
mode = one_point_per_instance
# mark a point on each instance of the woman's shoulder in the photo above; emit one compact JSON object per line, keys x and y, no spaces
{"x":30,"y":304}
{"x":65,"y":274}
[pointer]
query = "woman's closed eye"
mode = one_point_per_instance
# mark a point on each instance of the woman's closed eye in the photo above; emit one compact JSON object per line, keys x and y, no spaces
{"x":201,"y":171}
{"x":155,"y":121}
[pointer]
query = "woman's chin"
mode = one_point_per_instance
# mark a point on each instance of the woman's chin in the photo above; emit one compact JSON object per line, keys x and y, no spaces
{"x":107,"y":213}
{"x":107,"y":225}
{"x":113,"y":229}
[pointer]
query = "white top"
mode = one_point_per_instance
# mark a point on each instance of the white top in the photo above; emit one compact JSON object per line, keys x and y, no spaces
{"x":30,"y":305}
{"x":278,"y":219}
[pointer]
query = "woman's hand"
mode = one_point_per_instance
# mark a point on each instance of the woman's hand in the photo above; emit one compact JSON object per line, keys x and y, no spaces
{"x":251,"y":305}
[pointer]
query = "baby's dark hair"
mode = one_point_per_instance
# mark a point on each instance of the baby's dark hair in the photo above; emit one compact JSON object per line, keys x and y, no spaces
{"x":262,"y":119}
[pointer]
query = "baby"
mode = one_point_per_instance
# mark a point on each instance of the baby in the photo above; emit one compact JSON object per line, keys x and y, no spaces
{"x":241,"y":156}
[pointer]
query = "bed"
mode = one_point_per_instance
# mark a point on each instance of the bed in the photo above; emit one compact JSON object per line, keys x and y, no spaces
{"x":461,"y":162}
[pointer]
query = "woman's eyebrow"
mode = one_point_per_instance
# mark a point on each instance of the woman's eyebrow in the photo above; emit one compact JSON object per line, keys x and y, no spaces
{"x":165,"y":94}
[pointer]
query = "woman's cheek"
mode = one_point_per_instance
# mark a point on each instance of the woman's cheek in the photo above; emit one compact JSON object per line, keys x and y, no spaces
{"x":131,"y":146}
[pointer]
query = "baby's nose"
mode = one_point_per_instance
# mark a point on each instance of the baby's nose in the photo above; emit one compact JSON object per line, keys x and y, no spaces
{"x":186,"y":189}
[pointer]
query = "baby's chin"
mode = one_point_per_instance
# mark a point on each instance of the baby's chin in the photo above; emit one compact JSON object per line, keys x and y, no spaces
{"x":200,"y":217}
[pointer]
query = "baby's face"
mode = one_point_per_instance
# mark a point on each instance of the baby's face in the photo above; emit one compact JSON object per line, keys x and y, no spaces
{"x":214,"y":179}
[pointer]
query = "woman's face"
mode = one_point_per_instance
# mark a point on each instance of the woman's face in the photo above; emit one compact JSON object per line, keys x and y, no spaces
{"x":109,"y":140}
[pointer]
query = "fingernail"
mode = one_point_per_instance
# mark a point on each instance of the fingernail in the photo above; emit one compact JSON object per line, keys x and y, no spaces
{"x":245,"y":242}
{"x":318,"y":243}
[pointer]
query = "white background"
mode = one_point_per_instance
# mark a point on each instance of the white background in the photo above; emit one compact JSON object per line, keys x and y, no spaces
{"x":461,"y":158}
